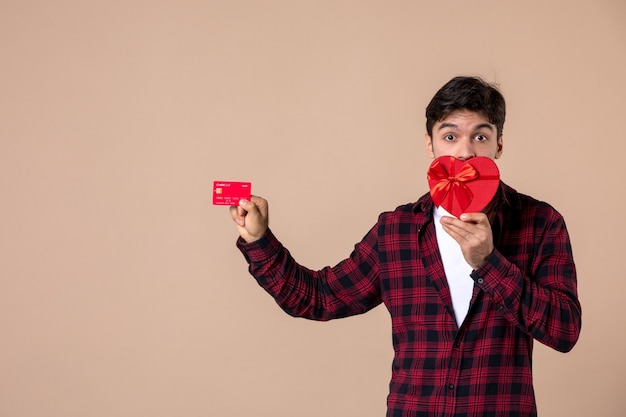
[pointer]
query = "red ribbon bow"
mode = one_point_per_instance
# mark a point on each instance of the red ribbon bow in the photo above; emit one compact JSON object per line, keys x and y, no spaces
{"x":454,"y":185}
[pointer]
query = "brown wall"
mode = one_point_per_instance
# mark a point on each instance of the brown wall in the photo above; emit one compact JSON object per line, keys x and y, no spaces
{"x":121,"y":291}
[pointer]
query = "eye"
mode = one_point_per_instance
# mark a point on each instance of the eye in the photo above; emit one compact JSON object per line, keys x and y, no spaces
{"x":449,"y":137}
{"x":480,"y":137}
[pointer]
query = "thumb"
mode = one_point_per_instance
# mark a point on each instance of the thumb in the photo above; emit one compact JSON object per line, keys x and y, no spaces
{"x":476,"y":218}
{"x":249,"y":209}
{"x":257,"y":205}
{"x":256,"y":217}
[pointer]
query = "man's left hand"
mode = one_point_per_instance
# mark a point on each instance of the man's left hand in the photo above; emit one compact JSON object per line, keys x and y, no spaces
{"x":472,"y":231}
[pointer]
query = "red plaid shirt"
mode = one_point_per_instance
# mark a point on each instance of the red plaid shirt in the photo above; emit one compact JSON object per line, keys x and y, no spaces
{"x":526,"y":290}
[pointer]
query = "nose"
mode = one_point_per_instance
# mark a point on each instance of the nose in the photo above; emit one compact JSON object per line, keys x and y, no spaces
{"x":465,"y":150}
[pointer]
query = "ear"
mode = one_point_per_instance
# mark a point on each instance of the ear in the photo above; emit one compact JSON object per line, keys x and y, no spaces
{"x":429,"y":145}
{"x":499,"y":149}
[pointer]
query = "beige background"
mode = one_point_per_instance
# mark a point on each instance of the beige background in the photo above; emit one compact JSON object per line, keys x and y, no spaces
{"x":121,"y":290}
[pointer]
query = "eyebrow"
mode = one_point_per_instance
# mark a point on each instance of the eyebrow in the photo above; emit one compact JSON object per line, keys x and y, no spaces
{"x":485,"y":125}
{"x":453,"y":126}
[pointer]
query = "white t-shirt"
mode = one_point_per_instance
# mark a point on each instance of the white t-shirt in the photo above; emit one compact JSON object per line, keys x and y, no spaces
{"x":456,"y":268}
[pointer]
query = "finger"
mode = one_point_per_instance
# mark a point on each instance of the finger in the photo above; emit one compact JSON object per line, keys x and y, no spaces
{"x":238,"y":214}
{"x":458,"y":234}
{"x":476,"y":218}
{"x":459,"y":230}
{"x":233,"y":212}
{"x":452,"y":223}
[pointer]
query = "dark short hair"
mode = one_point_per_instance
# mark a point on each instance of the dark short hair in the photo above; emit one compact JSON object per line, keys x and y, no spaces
{"x":467,"y":93}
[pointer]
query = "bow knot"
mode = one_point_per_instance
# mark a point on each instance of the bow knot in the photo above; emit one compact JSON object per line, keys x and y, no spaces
{"x":450,"y":185}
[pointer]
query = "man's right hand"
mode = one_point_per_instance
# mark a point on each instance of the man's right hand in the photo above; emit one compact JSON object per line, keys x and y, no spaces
{"x":252,"y":218}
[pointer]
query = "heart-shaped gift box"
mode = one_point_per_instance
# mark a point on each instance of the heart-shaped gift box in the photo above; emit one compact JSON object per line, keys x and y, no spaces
{"x":463,"y":186}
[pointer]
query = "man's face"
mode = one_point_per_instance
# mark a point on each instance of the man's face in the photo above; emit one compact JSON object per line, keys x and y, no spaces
{"x":464,"y":135}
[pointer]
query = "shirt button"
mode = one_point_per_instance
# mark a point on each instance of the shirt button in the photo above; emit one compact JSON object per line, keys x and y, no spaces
{"x":450,"y":386}
{"x":480,"y":280}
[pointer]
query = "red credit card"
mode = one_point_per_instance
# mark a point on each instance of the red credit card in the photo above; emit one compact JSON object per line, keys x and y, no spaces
{"x":228,"y":193}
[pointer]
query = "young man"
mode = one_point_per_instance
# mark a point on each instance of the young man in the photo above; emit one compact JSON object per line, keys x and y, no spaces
{"x":467,"y":296}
